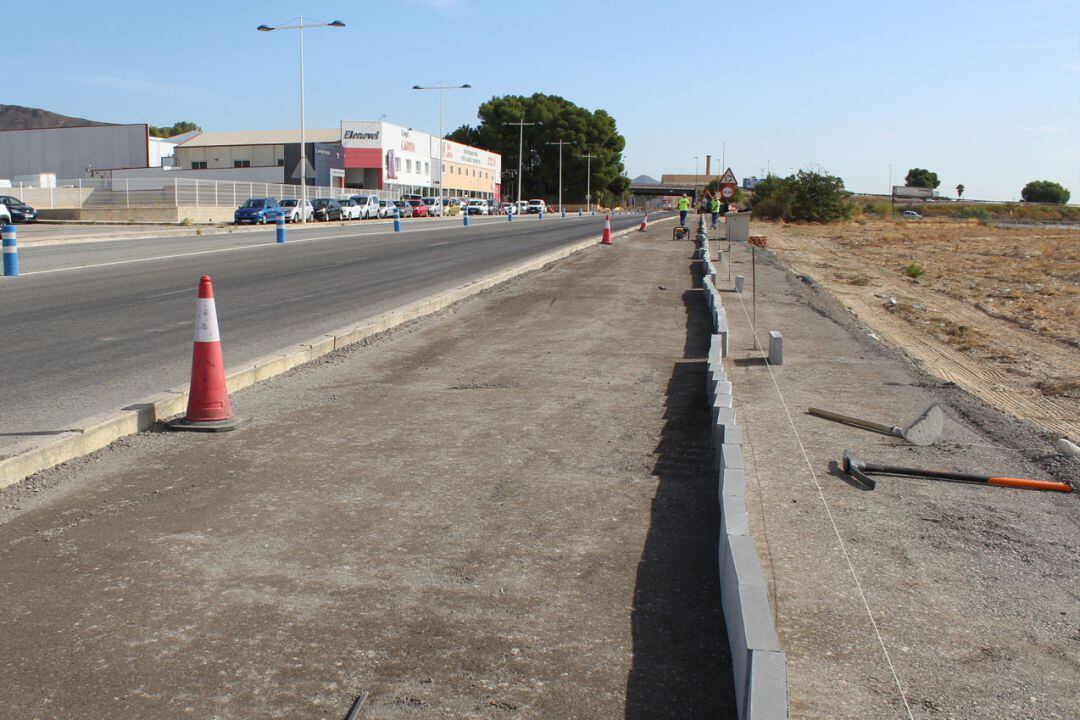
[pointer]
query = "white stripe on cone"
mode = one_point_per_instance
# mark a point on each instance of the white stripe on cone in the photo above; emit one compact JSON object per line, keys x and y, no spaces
{"x":206,"y":327}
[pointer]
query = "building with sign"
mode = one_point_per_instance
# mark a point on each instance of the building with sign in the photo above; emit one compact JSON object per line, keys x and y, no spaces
{"x":383,"y":156}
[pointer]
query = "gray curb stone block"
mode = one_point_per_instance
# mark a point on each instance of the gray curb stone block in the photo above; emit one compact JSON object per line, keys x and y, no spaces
{"x":766,"y":695}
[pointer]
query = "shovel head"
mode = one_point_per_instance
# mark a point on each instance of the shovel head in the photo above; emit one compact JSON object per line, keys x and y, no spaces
{"x":926,"y":428}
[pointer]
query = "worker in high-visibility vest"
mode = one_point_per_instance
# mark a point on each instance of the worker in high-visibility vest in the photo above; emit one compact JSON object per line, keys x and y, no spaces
{"x":684,"y":207}
{"x":715,"y":208}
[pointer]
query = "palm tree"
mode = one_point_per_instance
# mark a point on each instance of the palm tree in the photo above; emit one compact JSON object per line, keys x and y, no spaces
{"x":959,"y":191}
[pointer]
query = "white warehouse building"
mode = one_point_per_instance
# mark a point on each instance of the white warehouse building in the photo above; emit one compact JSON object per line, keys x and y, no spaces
{"x":75,"y":152}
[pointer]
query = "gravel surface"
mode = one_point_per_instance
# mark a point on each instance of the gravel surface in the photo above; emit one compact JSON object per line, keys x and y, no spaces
{"x":506,"y":511}
{"x":975,"y":590}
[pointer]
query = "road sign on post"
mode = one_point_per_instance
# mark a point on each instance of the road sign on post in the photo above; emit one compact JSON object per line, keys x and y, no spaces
{"x":728,"y":184}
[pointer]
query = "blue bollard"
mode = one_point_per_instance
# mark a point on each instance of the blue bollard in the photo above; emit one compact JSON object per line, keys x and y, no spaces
{"x":397,"y":220}
{"x":281,"y":229}
{"x":11,"y":251}
{"x":465,"y":217}
{"x":540,"y":216}
{"x":563,"y":214}
{"x":579,"y":212}
{"x":509,"y":215}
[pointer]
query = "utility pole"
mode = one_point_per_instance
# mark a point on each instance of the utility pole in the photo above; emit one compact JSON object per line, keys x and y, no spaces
{"x":521,"y":124}
{"x":442,"y":87}
{"x":560,"y":143}
{"x":588,"y":182}
{"x":300,"y":25}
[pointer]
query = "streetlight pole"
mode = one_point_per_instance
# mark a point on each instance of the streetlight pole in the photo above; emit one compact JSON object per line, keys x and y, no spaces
{"x":560,"y":143}
{"x":588,"y":182}
{"x":441,"y":87}
{"x":521,"y":148}
{"x":303,"y":137}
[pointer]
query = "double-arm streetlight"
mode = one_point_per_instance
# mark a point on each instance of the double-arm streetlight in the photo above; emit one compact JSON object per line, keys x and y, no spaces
{"x":521,"y":147}
{"x":301,"y":26}
{"x":442,"y":87}
{"x":560,"y":143}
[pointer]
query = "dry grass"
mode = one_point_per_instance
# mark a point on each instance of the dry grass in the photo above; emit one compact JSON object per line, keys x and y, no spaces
{"x":1028,"y":276}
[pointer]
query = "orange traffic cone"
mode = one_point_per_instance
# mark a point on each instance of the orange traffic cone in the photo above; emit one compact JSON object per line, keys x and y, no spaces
{"x":644,"y":223}
{"x":606,"y":238}
{"x":209,"y":408}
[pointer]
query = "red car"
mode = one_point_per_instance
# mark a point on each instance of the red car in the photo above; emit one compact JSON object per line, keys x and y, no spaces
{"x":419,"y":209}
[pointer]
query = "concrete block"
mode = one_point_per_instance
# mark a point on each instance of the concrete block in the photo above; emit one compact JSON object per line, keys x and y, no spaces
{"x":733,"y":483}
{"x":734,"y":519}
{"x":776,"y":348}
{"x":732,"y":456}
{"x":739,"y":282}
{"x":745,"y":599}
{"x":766,"y":695}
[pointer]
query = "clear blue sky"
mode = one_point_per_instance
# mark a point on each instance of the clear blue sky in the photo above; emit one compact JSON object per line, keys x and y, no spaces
{"x":986,"y":93}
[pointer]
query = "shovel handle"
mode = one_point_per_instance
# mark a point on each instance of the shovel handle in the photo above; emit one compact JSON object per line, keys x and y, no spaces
{"x":848,"y":420}
{"x":1030,"y":484}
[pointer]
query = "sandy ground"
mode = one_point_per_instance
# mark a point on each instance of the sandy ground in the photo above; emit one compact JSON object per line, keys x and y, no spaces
{"x":506,"y":512}
{"x":996,"y":310}
{"x":975,"y":590}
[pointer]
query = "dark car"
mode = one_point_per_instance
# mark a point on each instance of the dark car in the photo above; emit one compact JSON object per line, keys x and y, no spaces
{"x":419,"y":209}
{"x":404,"y":209}
{"x":258,"y":210}
{"x":327,"y":209}
{"x":20,"y":211}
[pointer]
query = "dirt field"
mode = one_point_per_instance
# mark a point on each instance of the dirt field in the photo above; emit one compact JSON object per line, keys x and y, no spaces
{"x":994,"y":310}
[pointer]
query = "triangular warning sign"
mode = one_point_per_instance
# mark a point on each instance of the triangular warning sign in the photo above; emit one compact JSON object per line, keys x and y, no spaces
{"x":309,"y":172}
{"x":728,"y":178}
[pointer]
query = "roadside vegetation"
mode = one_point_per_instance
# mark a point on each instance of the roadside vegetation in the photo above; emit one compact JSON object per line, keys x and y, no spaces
{"x":808,"y":195}
{"x":591,"y":132}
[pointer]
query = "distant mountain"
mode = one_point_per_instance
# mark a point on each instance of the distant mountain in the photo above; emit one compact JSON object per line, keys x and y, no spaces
{"x":17,"y":117}
{"x":645,"y":180}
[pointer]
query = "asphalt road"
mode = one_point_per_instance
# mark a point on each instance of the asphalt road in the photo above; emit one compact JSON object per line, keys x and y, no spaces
{"x":92,"y":327}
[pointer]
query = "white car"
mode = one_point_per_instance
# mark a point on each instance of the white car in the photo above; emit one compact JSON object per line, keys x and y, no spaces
{"x":350,"y":210}
{"x":477,"y":206}
{"x":291,"y":207}
{"x":521,"y":207}
{"x":369,"y":205}
{"x":5,"y":215}
{"x":434,"y":206}
{"x":386,"y":209}
{"x":535,"y":207}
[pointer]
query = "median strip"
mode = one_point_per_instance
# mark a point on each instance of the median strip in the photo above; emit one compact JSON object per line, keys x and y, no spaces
{"x":89,"y":435}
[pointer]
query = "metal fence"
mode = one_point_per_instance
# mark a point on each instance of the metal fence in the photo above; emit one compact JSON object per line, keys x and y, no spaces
{"x":109,"y":193}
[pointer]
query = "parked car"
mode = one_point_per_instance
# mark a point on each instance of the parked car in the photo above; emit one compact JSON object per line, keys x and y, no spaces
{"x":369,"y":205}
{"x":477,"y":206}
{"x":535,"y":207}
{"x":419,"y":209}
{"x":407,"y":197}
{"x":434,"y":206}
{"x":386,"y":209}
{"x":18,"y":210}
{"x":327,"y":209}
{"x":911,"y":214}
{"x":5,"y":214}
{"x":405,"y":210}
{"x":257,"y":210}
{"x":521,"y":207}
{"x":350,"y":210}
{"x":291,"y":208}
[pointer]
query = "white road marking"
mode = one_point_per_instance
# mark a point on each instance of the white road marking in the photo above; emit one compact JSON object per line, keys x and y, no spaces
{"x":174,"y":292}
{"x":445,"y":242}
{"x":487,"y":221}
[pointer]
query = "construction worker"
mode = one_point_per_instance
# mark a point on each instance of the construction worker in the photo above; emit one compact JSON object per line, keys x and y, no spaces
{"x":714,"y":206}
{"x":684,"y":207}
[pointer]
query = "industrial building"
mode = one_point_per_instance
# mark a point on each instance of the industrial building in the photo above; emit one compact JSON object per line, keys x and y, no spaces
{"x":75,"y":152}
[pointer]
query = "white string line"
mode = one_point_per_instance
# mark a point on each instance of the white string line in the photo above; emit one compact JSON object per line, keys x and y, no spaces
{"x":828,"y":511}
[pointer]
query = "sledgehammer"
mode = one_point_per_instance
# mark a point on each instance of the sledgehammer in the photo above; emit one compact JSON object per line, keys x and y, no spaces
{"x":860,"y":470}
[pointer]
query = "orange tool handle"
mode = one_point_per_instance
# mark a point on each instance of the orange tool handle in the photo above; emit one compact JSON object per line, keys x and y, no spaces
{"x":1030,"y":484}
